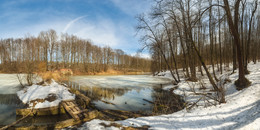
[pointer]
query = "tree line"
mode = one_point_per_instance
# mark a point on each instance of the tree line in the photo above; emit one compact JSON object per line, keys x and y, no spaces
{"x":193,"y":34}
{"x":49,"y":52}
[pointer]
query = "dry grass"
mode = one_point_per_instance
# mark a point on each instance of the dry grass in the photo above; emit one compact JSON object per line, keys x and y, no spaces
{"x":47,"y":76}
{"x":110,"y":72}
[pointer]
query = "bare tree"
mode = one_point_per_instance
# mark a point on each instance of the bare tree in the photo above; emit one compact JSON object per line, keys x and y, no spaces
{"x":242,"y":82}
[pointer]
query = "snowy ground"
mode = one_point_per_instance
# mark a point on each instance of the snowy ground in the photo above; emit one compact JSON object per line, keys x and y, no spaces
{"x":242,"y":110}
{"x":41,"y":92}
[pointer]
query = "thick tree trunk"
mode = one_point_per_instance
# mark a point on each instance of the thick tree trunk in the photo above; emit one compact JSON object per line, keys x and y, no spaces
{"x":242,"y":82}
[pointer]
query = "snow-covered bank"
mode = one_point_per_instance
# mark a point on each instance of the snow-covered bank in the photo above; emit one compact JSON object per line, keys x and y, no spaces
{"x":242,"y":110}
{"x":42,"y":96}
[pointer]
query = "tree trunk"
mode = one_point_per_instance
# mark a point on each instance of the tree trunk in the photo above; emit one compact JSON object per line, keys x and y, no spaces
{"x":242,"y":82}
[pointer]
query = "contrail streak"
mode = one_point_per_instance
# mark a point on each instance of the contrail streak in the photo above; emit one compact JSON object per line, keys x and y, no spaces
{"x":72,"y":22}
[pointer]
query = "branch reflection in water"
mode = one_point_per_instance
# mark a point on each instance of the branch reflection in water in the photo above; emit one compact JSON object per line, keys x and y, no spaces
{"x":127,"y":93}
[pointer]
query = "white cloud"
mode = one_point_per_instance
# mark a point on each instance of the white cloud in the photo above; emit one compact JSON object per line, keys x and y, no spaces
{"x":143,"y":55}
{"x":146,"y":55}
{"x":102,"y":31}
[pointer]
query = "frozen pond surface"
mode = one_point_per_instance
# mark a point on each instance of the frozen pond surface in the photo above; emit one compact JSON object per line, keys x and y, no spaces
{"x":124,"y":92}
{"x":9,"y":84}
{"x":9,"y":101}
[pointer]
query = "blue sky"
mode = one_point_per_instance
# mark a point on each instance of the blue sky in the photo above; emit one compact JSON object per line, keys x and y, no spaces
{"x":105,"y":22}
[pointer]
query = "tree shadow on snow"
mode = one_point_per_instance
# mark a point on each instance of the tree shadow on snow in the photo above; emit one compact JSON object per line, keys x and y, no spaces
{"x":247,"y":115}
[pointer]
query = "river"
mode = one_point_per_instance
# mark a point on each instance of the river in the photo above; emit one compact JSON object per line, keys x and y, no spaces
{"x":121,"y":92}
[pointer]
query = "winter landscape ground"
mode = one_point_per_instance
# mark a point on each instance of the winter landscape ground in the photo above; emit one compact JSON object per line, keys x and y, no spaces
{"x":45,"y":44}
{"x":241,"y":110}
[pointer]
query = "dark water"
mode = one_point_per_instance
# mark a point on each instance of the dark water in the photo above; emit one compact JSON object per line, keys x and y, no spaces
{"x":45,"y":121}
{"x":128,"y":93}
{"x":9,"y":102}
{"x":8,"y":105}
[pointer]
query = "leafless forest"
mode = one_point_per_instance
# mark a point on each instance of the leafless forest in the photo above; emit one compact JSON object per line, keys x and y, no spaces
{"x":188,"y":34}
{"x":48,"y":52}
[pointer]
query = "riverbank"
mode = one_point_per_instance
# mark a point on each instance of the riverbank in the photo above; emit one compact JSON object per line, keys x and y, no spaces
{"x":241,"y":110}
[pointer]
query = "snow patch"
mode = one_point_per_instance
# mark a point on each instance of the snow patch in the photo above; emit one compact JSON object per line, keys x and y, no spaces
{"x":35,"y":92}
{"x":240,"y":112}
{"x":95,"y":125}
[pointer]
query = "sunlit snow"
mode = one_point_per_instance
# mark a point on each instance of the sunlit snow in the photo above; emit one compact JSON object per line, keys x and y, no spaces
{"x":240,"y":112}
{"x":34,"y":92}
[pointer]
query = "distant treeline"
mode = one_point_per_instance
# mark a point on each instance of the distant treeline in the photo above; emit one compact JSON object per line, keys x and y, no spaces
{"x":49,"y":52}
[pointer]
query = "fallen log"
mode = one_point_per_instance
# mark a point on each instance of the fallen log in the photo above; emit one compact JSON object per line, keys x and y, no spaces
{"x":14,"y":123}
{"x":107,"y":102}
{"x":113,"y":115}
{"x":71,"y":122}
{"x":41,"y":111}
{"x":148,"y":101}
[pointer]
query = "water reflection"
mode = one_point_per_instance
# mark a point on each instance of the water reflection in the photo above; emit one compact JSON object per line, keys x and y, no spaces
{"x":10,"y":99}
{"x":166,"y":102}
{"x":42,"y":120}
{"x":119,"y":92}
{"x":8,"y":105}
{"x":9,"y":102}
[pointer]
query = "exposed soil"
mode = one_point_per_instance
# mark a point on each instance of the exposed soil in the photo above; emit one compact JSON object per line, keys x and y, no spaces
{"x":145,"y":127}
{"x":51,"y":97}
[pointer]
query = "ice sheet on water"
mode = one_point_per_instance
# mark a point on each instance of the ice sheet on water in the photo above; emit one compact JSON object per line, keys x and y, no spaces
{"x":119,"y":81}
{"x":9,"y":84}
{"x":135,"y":89}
